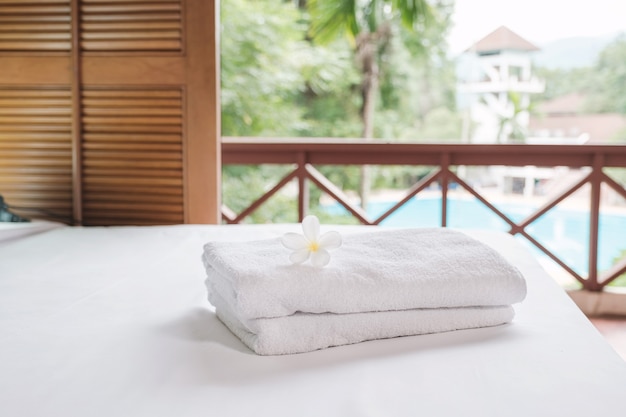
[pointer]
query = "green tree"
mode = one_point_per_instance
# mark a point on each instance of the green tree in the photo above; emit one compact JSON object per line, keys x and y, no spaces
{"x":369,"y":26}
{"x":609,"y":77}
{"x":601,"y":83}
{"x":262,"y":50}
{"x":561,"y":81}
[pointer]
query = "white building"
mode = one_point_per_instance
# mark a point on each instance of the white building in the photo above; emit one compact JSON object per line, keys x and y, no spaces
{"x":495,"y":86}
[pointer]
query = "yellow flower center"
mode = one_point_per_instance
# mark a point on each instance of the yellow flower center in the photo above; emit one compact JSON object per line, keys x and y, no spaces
{"x":314,"y":246}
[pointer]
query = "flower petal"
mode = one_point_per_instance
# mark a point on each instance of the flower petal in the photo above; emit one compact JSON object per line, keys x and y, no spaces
{"x":299,"y":256}
{"x":320,"y":258}
{"x":293,"y":241}
{"x":311,"y":228}
{"x":330,"y":240}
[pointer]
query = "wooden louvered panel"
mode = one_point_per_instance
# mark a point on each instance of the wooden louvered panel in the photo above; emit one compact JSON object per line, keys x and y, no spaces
{"x":35,"y":26}
{"x":36,"y":150}
{"x":132,"y":156}
{"x":131,"y":25}
{"x":126,"y":131}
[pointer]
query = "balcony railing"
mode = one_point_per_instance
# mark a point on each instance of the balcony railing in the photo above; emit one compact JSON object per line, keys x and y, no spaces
{"x":305,"y":153}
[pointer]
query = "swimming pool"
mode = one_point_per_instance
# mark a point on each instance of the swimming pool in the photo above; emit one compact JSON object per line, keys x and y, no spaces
{"x":565,"y":232}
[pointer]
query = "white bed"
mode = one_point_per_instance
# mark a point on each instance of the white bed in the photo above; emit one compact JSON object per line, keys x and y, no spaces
{"x":115,"y":322}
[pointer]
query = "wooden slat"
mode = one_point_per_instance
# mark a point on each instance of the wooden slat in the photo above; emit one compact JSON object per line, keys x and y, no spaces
{"x":171,"y":200}
{"x":24,"y":45}
{"x":130,"y":26}
{"x":135,"y":17}
{"x":134,"y":147}
{"x":132,"y":128}
{"x":136,"y":45}
{"x":34,"y":94}
{"x":25,"y":110}
{"x":44,"y":102}
{"x":35,"y":18}
{"x":132,"y":172}
{"x":21,"y":128}
{"x":128,"y":93}
{"x":130,"y":6}
{"x":126,"y":111}
{"x":105,"y":190}
{"x":34,"y":162}
{"x":40,"y":120}
{"x":129,"y":120}
{"x":7,"y":146}
{"x":131,"y":138}
{"x":39,"y":179}
{"x":36,"y":196}
{"x":37,"y":2}
{"x":34,"y":9}
{"x":142,"y":35}
{"x":35,"y":27}
{"x":12,"y":190}
{"x":34,"y":36}
{"x":148,"y":164}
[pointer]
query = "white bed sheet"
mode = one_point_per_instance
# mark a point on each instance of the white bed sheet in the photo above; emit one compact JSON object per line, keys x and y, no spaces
{"x":115,"y":322}
{"x":11,"y":231}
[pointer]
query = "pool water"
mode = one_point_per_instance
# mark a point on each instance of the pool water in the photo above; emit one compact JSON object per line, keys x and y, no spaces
{"x":564,"y":232}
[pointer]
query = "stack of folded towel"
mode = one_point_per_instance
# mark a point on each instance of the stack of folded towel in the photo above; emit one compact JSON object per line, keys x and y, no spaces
{"x":378,"y":285}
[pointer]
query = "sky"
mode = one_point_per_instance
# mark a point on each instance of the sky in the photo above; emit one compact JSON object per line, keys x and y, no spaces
{"x":538,"y":21}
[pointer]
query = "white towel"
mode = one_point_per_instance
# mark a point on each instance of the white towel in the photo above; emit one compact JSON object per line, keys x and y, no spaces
{"x":375,"y":271}
{"x":305,"y":332}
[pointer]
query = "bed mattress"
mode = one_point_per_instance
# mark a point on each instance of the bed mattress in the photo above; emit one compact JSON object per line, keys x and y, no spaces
{"x":115,"y":322}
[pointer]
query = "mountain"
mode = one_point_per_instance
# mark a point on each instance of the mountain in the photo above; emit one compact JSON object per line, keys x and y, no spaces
{"x":571,"y":53}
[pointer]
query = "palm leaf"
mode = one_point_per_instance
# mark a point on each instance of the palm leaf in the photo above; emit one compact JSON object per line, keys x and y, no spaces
{"x":331,"y":18}
{"x":413,"y":11}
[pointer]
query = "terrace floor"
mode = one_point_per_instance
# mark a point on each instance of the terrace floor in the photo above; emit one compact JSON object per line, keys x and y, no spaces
{"x":614,"y":330}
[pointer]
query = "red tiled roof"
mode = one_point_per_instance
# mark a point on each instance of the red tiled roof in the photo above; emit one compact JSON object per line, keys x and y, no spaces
{"x":500,"y":39}
{"x":601,"y":128}
{"x":572,"y":103}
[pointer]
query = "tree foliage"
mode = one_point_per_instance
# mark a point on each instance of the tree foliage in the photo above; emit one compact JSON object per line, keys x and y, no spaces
{"x":261,"y":73}
{"x":609,"y":78}
{"x":601,"y":83}
{"x":275,"y":81}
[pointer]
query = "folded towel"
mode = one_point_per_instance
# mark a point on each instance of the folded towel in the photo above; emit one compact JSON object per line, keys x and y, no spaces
{"x":375,"y":271}
{"x":305,"y":332}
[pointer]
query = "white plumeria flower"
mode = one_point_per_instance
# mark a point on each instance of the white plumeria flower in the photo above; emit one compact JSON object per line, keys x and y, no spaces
{"x":311,"y":245}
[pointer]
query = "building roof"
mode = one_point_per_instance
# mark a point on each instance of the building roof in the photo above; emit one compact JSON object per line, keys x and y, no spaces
{"x":565,"y":116}
{"x":501,"y":39}
{"x":572,"y":103}
{"x":601,"y":128}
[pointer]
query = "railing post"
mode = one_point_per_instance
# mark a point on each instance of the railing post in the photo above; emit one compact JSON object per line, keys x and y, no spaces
{"x":303,"y":187}
{"x":445,"y":165}
{"x":595,"y":181}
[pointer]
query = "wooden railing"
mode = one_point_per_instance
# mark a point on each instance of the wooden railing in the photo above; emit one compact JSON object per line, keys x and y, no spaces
{"x":305,"y":153}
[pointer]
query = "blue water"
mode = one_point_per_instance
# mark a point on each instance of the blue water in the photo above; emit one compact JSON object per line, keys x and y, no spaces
{"x":564,"y":232}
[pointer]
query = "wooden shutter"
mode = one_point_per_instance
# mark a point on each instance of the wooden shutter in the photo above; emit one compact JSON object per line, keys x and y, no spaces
{"x":36,"y":107}
{"x":108,"y":110}
{"x":132,"y":156}
{"x":36,"y":150}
